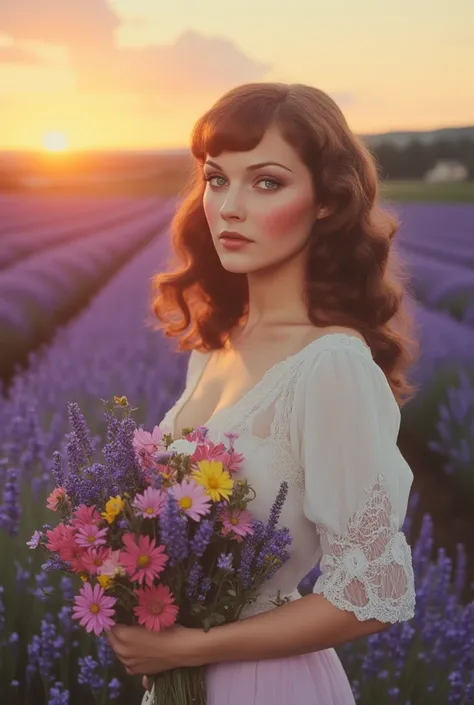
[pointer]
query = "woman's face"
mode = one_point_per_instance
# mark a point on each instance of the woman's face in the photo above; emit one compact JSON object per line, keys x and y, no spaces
{"x":274,"y":206}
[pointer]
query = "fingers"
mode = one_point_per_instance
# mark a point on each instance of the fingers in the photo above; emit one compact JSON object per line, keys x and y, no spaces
{"x":146,"y":683}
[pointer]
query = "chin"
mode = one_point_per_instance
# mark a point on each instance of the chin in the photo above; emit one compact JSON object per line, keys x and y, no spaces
{"x":231,"y":265}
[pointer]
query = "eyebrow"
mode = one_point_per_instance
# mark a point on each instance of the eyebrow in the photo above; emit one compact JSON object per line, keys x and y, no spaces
{"x":252,"y":167}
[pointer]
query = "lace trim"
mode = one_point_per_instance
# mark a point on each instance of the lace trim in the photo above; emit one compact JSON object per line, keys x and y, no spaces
{"x":278,"y":382}
{"x":368,"y":569}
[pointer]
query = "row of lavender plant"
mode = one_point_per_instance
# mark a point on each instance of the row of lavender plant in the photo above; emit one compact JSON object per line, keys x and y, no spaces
{"x":441,"y":286}
{"x":39,"y":291}
{"x":25,"y":241}
{"x":41,"y":650}
{"x":30,"y":210}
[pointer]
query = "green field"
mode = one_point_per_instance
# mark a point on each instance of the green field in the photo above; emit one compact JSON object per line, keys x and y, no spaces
{"x":420,"y":191}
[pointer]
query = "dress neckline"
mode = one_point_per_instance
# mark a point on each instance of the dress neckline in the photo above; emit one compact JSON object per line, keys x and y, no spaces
{"x":272,"y":370}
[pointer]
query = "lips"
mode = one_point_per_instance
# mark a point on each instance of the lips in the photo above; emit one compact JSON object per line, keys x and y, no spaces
{"x":233,"y":235}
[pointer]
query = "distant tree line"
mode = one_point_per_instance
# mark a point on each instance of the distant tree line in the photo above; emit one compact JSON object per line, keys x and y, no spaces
{"x":413,"y":160}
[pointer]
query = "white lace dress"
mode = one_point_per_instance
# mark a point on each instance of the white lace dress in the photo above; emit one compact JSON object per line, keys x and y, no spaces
{"x":325,"y":420}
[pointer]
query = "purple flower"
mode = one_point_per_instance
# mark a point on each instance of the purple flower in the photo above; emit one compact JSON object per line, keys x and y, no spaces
{"x":194,"y":578}
{"x":10,"y":510}
{"x":114,"y":689}
{"x":45,"y":651}
{"x":204,"y":589}
{"x":35,"y":540}
{"x":203,"y":536}
{"x":58,"y":695}
{"x":57,"y":469}
{"x":277,"y":507}
{"x":174,"y":531}
{"x":80,"y":432}
{"x":88,"y":673}
{"x":224,"y":561}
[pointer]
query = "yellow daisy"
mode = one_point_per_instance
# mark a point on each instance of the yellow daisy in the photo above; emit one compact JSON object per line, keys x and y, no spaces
{"x":105,"y":581}
{"x":113,"y":507}
{"x":215,"y":479}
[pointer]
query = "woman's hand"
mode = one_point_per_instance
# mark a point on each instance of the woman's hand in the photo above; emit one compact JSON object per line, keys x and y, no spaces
{"x":143,"y":652}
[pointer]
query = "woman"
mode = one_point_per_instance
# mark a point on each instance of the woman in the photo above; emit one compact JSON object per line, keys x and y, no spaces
{"x":300,"y":344}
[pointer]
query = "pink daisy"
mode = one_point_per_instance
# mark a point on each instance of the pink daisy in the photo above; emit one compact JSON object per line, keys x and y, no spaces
{"x":151,"y":503}
{"x":237,"y":523}
{"x":70,"y":551}
{"x":146,"y":443}
{"x":143,"y":561}
{"x":232,"y":460}
{"x":55,"y":498}
{"x":197,"y":434}
{"x":94,"y":558}
{"x":59,"y":537}
{"x":90,"y":535}
{"x":209,"y":451}
{"x":192,"y":498}
{"x":93,"y":609}
{"x":156,"y":609}
{"x":86,"y":515}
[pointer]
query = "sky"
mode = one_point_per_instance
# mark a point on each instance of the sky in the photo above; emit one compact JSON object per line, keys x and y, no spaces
{"x":137,"y":74}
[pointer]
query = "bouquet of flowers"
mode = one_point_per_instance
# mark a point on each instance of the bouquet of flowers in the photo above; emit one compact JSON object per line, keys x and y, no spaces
{"x":159,"y":533}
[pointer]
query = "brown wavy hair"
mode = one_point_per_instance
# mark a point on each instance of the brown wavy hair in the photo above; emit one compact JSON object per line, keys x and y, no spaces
{"x":353,"y":276}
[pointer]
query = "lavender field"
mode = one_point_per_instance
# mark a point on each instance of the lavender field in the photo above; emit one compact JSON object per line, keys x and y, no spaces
{"x":75,"y":304}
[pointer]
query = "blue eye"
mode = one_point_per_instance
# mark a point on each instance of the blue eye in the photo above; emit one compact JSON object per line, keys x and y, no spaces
{"x":276,"y":184}
{"x":210,"y":178}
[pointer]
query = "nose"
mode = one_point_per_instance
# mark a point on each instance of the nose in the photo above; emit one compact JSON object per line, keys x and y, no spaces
{"x":232,"y":207}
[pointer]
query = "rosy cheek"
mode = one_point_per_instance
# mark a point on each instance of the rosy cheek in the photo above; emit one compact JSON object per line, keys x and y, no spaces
{"x":279,"y":221}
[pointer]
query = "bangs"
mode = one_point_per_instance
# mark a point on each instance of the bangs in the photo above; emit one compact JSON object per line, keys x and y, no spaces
{"x":237,"y":123}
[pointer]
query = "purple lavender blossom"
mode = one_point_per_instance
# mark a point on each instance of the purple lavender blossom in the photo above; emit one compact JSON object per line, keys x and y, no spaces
{"x":80,"y":431}
{"x":58,"y":695}
{"x":114,"y":689}
{"x":10,"y":510}
{"x":88,"y":674}
{"x":194,"y":578}
{"x":277,"y":506}
{"x":55,"y":564}
{"x":204,"y":588}
{"x":174,"y":531}
{"x":57,"y":469}
{"x":203,"y":536}
{"x":45,"y":651}
{"x":105,"y":654}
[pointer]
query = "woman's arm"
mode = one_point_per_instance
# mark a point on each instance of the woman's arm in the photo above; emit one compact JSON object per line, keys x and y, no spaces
{"x":308,"y":624}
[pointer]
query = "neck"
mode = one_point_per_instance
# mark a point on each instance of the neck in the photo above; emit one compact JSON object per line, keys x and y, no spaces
{"x":276,"y":294}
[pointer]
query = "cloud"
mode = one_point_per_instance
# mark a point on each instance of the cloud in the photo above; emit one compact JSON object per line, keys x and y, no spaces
{"x":17,"y":55}
{"x":67,"y":22}
{"x":194,"y":63}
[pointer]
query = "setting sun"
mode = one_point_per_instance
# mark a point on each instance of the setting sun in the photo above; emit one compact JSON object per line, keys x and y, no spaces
{"x":55,"y":142}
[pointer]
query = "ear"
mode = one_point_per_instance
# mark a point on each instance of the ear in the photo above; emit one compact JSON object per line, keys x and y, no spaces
{"x":324,"y":212}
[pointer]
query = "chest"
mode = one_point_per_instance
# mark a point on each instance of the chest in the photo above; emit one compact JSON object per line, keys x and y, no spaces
{"x":223,"y":382}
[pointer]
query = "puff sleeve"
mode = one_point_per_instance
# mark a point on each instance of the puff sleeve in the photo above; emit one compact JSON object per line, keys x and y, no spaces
{"x":357,"y":483}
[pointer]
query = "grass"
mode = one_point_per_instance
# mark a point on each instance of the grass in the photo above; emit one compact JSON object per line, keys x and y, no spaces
{"x":419,"y":191}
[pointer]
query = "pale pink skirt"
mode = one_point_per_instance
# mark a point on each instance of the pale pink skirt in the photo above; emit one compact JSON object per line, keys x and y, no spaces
{"x":317,"y":678}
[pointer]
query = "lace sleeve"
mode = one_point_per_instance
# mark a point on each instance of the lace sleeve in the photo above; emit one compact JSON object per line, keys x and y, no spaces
{"x":356,"y":486}
{"x":368,"y":569}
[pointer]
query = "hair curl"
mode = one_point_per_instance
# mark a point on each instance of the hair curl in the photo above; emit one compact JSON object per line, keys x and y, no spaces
{"x":353,"y":276}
